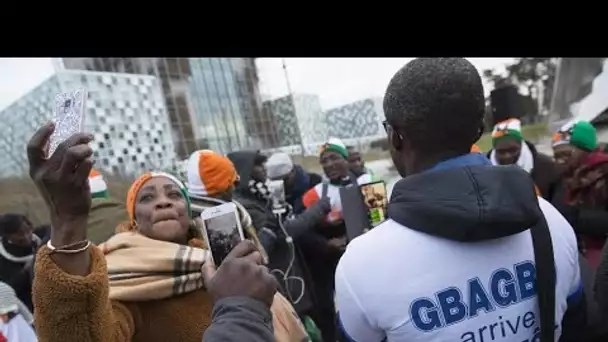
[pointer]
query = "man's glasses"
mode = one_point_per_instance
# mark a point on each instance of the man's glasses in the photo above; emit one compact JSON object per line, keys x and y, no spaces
{"x":388,"y":129}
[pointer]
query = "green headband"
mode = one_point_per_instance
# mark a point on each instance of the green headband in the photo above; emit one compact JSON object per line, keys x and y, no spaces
{"x":341,"y":150}
{"x":507,"y":134}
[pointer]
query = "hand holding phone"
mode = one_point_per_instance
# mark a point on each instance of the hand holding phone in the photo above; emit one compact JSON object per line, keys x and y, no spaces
{"x":222,"y":229}
{"x":68,"y":116}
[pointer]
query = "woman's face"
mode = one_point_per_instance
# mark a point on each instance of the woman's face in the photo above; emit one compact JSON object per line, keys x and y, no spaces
{"x":161,"y":211}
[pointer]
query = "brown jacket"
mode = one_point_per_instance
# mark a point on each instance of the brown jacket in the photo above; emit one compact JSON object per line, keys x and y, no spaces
{"x":73,"y":308}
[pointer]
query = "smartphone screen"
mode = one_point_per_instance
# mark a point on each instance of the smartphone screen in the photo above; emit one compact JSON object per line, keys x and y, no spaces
{"x":68,"y":116}
{"x":277,"y":194}
{"x":223,"y":234}
{"x":376,"y":201}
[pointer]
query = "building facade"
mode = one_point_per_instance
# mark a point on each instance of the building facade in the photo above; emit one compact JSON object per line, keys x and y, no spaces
{"x":125,"y":112}
{"x":211,"y":103}
{"x":356,"y":120}
{"x":298,"y":119}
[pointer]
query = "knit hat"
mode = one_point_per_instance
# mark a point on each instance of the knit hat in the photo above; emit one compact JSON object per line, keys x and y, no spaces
{"x":99,"y":188}
{"x":279,"y":165}
{"x":336,"y":145}
{"x":580,"y":134}
{"x":508,"y":129}
{"x":139,"y":183}
{"x":209,"y":173}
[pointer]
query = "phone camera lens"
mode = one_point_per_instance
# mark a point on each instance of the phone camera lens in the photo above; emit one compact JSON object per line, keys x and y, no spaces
{"x":67,"y":104}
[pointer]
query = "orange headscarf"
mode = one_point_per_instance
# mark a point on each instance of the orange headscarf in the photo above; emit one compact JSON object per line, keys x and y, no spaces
{"x":139,"y":183}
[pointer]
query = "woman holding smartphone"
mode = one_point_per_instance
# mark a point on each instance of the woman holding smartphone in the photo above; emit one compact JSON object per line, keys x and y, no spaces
{"x":144,"y":284}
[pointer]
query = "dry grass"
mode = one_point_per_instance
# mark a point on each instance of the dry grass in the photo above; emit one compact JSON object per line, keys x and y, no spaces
{"x":19,"y":195}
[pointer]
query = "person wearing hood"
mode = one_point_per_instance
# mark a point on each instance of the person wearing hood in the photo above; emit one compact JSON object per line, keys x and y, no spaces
{"x":211,"y":182}
{"x":296,"y":180}
{"x":469,"y":251}
{"x":279,"y":236}
{"x":510,"y":148}
{"x":18,"y":245}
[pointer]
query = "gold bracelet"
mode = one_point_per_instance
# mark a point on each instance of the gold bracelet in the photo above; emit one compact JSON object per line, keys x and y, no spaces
{"x":69,"y":249}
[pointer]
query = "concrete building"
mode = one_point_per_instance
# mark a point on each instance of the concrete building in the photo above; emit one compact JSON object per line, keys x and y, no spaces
{"x":125,"y":112}
{"x":355,"y":120}
{"x":298,"y":119}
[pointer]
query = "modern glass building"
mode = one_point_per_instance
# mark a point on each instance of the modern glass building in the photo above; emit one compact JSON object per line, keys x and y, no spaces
{"x":226,"y":105}
{"x":211,"y":103}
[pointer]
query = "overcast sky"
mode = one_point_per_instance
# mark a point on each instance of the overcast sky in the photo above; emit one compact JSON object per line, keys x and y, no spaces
{"x":337,"y":81}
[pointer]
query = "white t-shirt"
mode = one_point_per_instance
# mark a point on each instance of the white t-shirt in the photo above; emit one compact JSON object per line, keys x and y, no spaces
{"x":399,"y":284}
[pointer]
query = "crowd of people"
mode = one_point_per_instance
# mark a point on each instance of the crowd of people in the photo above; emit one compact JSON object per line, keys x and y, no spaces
{"x":504,"y":246}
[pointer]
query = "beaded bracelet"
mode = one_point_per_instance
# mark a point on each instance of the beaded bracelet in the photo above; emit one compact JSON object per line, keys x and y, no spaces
{"x":69,"y":249}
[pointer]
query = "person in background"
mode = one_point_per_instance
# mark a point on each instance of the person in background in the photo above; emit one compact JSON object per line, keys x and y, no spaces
{"x":283,"y":251}
{"x":145,"y":283}
{"x":296,"y":180}
{"x":475,"y":149}
{"x":15,"y":318}
{"x":98,"y":186}
{"x":582,"y":194}
{"x":211,"y":182}
{"x":18,"y":245}
{"x":106,"y":212}
{"x":469,"y":247}
{"x":510,"y":148}
{"x":242,"y":291}
{"x":323,"y":247}
{"x":356,"y":162}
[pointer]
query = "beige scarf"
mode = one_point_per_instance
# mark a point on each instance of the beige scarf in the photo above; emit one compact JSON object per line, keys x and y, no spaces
{"x":143,"y":269}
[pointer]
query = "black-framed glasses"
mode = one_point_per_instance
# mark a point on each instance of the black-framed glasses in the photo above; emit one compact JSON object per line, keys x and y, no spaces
{"x":388,"y":129}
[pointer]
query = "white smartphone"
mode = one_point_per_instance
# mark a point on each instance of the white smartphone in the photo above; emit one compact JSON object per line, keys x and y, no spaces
{"x":68,"y":116}
{"x":222,"y":229}
{"x":277,"y":194}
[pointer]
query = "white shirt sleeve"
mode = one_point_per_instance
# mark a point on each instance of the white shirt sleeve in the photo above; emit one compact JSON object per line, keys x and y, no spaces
{"x":352,"y":318}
